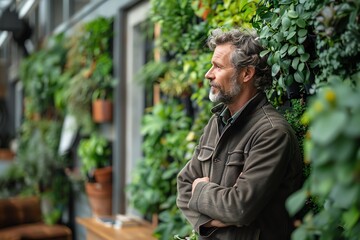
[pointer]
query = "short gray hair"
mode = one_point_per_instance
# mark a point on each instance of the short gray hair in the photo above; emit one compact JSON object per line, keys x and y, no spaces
{"x":247,"y":49}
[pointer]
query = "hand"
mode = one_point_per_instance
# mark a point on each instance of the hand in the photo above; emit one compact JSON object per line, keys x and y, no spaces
{"x":215,"y":223}
{"x":203,"y":179}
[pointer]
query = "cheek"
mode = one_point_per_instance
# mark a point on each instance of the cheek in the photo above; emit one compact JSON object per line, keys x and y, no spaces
{"x":225,"y":79}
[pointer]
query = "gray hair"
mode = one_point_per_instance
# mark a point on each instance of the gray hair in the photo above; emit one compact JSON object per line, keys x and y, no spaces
{"x":247,"y":49}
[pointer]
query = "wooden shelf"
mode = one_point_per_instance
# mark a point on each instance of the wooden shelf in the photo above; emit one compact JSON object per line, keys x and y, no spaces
{"x":99,"y":231}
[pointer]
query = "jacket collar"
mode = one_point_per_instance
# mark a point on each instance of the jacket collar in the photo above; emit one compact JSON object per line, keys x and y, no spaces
{"x":253,"y":104}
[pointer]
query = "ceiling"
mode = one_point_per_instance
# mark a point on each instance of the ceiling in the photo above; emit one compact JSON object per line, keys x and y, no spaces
{"x":4,"y":4}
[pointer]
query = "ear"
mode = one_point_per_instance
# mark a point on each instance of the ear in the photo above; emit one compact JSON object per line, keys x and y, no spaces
{"x":248,"y":73}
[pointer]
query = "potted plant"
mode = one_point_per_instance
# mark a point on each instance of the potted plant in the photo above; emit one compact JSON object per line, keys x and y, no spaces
{"x":102,"y":107}
{"x":95,"y":154}
{"x":89,"y":66}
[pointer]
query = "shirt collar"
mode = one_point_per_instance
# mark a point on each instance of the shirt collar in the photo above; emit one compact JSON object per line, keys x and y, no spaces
{"x":226,"y":117}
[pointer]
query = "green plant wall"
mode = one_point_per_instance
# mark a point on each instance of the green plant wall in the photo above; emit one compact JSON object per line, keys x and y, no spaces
{"x":308,"y":43}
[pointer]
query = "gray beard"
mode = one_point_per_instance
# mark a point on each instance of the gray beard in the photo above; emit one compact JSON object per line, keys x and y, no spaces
{"x":226,"y":97}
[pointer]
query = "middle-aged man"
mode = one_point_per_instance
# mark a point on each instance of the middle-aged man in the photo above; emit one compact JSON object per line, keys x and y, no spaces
{"x":248,"y":160}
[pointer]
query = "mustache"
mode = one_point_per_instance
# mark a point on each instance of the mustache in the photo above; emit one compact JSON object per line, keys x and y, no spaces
{"x":214,"y":85}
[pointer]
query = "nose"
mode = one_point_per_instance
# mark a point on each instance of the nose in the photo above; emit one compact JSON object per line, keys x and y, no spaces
{"x":209,"y":74}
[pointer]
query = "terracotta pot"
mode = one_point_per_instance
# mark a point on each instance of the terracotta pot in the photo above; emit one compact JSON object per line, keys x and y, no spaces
{"x":100,"y":198}
{"x":6,"y":154}
{"x":103,"y":175}
{"x":102,"y":110}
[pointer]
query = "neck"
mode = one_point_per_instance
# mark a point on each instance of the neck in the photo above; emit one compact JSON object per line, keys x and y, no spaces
{"x":241,"y":100}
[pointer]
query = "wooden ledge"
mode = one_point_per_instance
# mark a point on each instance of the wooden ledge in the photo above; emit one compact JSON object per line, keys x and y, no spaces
{"x":99,"y":231}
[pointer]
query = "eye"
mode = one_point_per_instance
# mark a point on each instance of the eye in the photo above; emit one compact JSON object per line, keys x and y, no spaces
{"x":217,"y":66}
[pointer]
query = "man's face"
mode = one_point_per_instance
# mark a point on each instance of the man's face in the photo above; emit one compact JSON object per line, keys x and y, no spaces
{"x":225,"y":86}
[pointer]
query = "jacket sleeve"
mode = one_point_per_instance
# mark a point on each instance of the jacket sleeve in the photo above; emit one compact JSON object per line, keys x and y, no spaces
{"x":264,"y":169}
{"x":186,"y":177}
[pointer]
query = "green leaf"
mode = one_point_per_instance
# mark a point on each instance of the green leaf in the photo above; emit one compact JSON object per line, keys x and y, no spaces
{"x":351,"y":217}
{"x":291,"y":34}
{"x":285,"y":64}
{"x":286,"y":23}
{"x":344,"y":196}
{"x":327,"y":126}
{"x":304,"y":57}
{"x":299,"y":77}
{"x":265,"y":32}
{"x":295,"y":63}
{"x":278,"y":37}
{"x":277,"y":56}
{"x":353,"y":127}
{"x":323,"y":186}
{"x":169,"y":173}
{"x":292,"y":50}
{"x":270,"y":59}
{"x":344,"y":150}
{"x":301,"y":23}
{"x":284,"y":48}
{"x":263,"y":53}
{"x":275,"y":69}
{"x":301,"y":67}
{"x":296,"y":201}
{"x":293,"y":14}
{"x":275,"y":24}
{"x":302,"y":33}
{"x":300,"y":49}
{"x":300,"y":234}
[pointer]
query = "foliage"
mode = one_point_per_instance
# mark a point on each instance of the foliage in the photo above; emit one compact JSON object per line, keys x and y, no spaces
{"x":152,"y":189}
{"x":89,"y":70}
{"x":226,"y":13}
{"x":95,"y":152}
{"x":12,"y":181}
{"x":97,"y":37}
{"x":337,"y":27}
{"x":331,"y":144}
{"x":306,"y":42}
{"x":333,"y":149}
{"x":293,"y":114}
{"x":177,"y":21}
{"x":193,"y":236}
{"x":286,"y":32}
{"x":151,"y":72}
{"x":40,"y":73}
{"x":38,"y":169}
{"x":38,"y":152}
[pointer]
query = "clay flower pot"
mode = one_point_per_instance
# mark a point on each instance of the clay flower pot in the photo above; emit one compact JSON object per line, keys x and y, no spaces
{"x":103,"y":175}
{"x":100,"y":198}
{"x":102,"y":110}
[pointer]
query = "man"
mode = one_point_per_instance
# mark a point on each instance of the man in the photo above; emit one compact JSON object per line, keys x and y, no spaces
{"x":248,"y":161}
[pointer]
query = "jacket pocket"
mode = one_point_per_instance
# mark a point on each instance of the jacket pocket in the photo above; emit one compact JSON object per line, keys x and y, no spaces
{"x":235,"y":158}
{"x":204,"y":157}
{"x":234,"y":166}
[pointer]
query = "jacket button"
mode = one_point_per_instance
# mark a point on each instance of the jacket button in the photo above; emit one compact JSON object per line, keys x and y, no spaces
{"x":216,"y":160}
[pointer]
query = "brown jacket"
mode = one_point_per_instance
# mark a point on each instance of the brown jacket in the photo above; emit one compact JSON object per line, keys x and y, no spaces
{"x":253,"y":166}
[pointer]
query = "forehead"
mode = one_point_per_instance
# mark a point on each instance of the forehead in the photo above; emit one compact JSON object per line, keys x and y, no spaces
{"x":222,"y":53}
